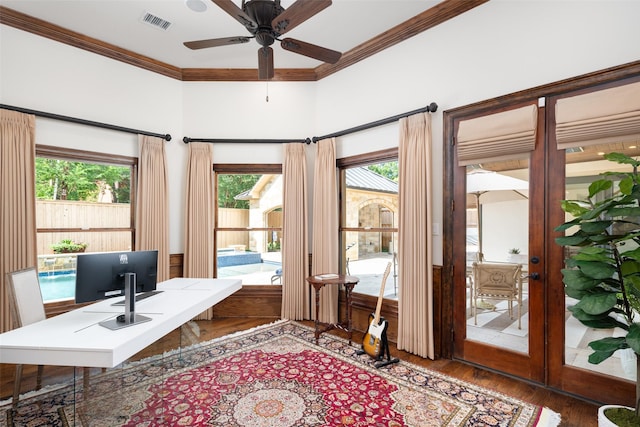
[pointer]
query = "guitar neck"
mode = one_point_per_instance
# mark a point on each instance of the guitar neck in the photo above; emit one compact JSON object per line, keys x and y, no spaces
{"x":376,"y":317}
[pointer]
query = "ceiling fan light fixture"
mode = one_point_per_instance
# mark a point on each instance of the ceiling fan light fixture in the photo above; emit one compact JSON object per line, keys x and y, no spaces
{"x":196,"y":5}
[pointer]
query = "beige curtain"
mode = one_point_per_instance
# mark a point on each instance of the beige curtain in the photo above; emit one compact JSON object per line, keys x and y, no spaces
{"x":602,"y":117}
{"x":295,"y":266}
{"x":18,"y":206}
{"x":325,"y":227}
{"x":415,"y":267}
{"x":198,"y":246}
{"x":508,"y":134}
{"x":152,"y":204}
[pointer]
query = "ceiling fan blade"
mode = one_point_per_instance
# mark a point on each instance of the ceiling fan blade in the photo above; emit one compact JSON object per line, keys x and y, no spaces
{"x":297,"y":13}
{"x":311,"y":50}
{"x":203,"y":44}
{"x":237,"y":14}
{"x":265,"y":63}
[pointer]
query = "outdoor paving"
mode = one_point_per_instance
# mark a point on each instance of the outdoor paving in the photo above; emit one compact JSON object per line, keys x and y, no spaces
{"x":369,"y":270}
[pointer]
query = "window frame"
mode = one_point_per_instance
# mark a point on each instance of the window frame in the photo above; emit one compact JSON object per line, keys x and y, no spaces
{"x":365,"y":159}
{"x":74,"y":155}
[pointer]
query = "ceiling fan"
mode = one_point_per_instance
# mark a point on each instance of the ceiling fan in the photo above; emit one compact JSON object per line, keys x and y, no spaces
{"x":267,"y":20}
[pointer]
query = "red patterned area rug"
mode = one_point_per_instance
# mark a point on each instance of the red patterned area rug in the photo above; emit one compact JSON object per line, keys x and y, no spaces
{"x":275,"y":376}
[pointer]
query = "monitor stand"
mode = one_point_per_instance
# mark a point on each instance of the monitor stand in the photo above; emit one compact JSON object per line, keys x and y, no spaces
{"x":130,"y":316}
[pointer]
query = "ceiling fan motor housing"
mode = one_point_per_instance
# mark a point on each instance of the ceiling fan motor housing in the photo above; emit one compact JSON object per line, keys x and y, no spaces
{"x":263,"y":12}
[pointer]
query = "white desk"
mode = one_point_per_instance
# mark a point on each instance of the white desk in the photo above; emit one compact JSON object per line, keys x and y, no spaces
{"x":76,"y":339}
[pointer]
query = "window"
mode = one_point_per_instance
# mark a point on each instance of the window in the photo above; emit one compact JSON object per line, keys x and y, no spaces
{"x":369,"y":220}
{"x":84,"y":203}
{"x":248,"y":226}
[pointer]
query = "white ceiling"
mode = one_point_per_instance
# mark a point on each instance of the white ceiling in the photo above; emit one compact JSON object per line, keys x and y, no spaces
{"x":342,"y":26}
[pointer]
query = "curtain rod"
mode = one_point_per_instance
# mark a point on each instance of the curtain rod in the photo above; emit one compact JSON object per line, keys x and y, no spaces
{"x":187,"y":140}
{"x":431,"y":108}
{"x":166,"y":137}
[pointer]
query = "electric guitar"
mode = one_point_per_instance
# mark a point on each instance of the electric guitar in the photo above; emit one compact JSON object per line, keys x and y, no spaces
{"x":371,"y":343}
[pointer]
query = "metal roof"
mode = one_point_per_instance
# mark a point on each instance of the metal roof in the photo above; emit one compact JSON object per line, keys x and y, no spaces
{"x":365,"y":179}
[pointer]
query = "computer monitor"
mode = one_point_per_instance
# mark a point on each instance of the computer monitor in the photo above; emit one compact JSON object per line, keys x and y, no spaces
{"x":102,"y":275}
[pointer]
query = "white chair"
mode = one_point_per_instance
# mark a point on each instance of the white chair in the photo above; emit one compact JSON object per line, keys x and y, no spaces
{"x":497,"y":281}
{"x":27,"y":307}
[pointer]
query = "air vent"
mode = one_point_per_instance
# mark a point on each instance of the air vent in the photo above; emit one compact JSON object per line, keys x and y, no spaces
{"x":155,"y":21}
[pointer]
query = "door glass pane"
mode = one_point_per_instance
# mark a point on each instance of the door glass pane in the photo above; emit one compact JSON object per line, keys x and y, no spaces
{"x":583,"y":165}
{"x":497,"y":244}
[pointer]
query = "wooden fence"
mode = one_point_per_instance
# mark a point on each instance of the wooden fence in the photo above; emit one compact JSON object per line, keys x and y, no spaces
{"x":58,"y":214}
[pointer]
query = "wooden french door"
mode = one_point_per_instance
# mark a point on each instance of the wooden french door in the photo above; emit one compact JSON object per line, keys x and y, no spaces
{"x":499,"y":221}
{"x":569,"y":173}
{"x":551,"y":347}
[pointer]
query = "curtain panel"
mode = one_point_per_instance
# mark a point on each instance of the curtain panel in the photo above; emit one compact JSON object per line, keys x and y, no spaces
{"x":199,"y":212}
{"x":602,"y":117}
{"x":18,"y":206}
{"x":415,"y":266}
{"x":295,"y":289}
{"x":508,"y":134}
{"x":152,"y":207}
{"x":325,"y":227}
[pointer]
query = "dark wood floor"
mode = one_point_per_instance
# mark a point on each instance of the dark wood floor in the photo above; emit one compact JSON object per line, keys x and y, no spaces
{"x":575,"y":412}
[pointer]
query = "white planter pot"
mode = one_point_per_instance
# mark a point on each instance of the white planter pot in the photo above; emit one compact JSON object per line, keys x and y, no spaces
{"x":604,"y":421}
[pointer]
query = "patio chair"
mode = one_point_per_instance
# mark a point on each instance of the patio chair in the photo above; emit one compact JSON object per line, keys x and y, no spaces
{"x":497,"y":281}
{"x":277,"y":276}
{"x":25,"y":301}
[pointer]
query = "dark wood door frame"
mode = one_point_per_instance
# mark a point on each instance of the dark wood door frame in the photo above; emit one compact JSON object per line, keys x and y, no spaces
{"x":555,"y":375}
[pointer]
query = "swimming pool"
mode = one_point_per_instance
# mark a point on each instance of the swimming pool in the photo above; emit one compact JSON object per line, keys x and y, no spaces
{"x":57,"y":286}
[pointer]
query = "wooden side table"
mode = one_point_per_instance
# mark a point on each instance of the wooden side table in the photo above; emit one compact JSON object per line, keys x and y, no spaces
{"x":318,"y":281}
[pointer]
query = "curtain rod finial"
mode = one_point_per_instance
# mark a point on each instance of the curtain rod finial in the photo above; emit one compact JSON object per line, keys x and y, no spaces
{"x":167,"y":137}
{"x":433,"y":107}
{"x":186,"y":139}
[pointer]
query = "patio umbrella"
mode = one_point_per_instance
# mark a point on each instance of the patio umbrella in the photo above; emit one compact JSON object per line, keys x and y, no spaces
{"x":493,"y":187}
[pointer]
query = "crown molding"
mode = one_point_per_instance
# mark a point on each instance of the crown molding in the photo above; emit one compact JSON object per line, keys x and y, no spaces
{"x":442,"y":12}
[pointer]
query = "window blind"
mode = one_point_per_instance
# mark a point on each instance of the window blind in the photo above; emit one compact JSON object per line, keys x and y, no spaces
{"x":500,"y":136}
{"x":602,"y":117}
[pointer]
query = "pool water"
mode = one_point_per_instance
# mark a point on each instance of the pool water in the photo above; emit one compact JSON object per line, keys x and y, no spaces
{"x":56,"y":287}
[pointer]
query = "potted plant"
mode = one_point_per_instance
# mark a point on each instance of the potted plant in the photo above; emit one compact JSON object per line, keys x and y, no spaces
{"x":68,"y":246}
{"x":604,"y":274}
{"x":516,"y":256}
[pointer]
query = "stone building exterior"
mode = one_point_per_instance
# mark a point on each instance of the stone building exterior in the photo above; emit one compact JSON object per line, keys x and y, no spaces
{"x":371,"y":203}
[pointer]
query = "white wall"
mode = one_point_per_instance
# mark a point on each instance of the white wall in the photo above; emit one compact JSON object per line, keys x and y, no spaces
{"x":43,"y":75}
{"x":495,"y":49}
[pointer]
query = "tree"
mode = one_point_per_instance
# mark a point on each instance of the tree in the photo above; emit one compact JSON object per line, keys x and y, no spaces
{"x":231,"y":185}
{"x":68,"y":180}
{"x":388,"y":170}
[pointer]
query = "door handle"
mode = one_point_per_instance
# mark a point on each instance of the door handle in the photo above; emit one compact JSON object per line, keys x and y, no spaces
{"x":534,"y":276}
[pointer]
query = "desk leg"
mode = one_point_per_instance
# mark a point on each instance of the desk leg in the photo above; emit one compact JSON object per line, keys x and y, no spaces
{"x":317,"y":322}
{"x":347,"y":290}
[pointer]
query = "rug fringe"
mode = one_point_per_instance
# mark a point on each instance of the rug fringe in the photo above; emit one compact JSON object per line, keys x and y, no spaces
{"x":548,"y":418}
